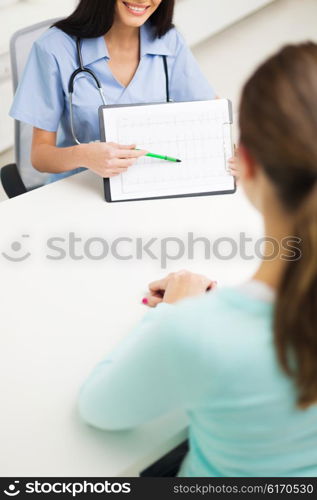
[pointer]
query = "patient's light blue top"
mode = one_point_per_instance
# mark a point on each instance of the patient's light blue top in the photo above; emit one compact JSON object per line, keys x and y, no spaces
{"x":213,"y":357}
{"x":42,"y":96}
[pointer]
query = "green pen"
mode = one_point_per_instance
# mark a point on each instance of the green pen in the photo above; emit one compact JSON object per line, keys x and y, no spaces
{"x":160,"y":157}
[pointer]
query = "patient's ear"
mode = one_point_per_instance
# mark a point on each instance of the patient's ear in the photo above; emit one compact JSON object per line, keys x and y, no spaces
{"x":247,"y":165}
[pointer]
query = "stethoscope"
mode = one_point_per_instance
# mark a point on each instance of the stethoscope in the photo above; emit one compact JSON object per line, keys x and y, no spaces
{"x":82,"y":69}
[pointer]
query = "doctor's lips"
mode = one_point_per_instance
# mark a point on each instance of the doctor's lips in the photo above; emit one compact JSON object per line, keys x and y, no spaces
{"x":136,"y":9}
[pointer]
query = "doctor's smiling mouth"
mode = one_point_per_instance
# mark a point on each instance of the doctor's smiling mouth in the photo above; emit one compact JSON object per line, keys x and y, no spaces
{"x":139,"y":9}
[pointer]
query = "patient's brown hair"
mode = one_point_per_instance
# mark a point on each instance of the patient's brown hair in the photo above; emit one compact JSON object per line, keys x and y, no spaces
{"x":278,"y":122}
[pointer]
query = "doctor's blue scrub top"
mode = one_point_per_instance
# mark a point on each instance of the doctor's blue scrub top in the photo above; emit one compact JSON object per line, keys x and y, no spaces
{"x":42,"y":96}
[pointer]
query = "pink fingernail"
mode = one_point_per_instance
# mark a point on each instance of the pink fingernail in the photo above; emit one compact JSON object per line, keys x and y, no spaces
{"x":145,"y":302}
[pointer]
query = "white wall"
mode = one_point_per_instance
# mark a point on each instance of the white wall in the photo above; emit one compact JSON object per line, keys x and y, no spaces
{"x":229,"y":57}
{"x":200,"y":19}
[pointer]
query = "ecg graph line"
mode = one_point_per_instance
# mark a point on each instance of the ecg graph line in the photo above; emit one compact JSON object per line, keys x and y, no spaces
{"x":199,"y":141}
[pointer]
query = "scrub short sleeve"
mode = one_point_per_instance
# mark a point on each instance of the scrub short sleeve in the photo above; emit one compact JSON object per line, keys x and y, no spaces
{"x":39,"y":100}
{"x":187,"y":80}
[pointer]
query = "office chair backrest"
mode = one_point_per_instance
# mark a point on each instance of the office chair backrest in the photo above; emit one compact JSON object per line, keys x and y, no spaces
{"x":20,"y":47}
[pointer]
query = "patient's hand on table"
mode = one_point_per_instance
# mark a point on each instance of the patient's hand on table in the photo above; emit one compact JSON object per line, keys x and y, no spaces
{"x":177,"y":286}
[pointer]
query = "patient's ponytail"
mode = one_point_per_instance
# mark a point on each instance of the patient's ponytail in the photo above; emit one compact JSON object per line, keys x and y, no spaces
{"x":278,"y":122}
{"x":296,"y":308}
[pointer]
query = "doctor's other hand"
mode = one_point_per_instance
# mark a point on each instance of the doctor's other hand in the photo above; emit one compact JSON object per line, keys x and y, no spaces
{"x":233,"y":165}
{"x":109,"y":159}
{"x":178,"y":286}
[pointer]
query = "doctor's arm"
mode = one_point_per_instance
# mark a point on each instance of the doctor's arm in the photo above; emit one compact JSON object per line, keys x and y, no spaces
{"x":105,"y":159}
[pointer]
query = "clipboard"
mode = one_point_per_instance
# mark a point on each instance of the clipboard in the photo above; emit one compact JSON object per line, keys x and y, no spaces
{"x":197,"y":132}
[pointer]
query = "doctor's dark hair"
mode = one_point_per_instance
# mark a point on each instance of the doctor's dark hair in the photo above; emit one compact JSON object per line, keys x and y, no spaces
{"x":94,"y":18}
{"x":278,"y":122}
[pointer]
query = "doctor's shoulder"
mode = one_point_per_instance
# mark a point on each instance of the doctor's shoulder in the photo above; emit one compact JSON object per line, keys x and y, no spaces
{"x":56,"y":43}
{"x":174,"y":41}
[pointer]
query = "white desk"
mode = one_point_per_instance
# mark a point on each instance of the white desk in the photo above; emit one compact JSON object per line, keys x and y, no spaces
{"x":58,"y":318}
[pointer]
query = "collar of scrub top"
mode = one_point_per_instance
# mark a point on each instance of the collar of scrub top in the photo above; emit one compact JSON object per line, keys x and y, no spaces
{"x":90,"y":50}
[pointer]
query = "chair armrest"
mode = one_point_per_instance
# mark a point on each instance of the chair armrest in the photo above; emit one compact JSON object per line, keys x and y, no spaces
{"x":11,"y":181}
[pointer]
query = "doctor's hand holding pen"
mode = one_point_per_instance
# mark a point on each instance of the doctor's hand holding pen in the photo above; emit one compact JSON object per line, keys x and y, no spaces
{"x":110,"y":159}
{"x":105,"y":159}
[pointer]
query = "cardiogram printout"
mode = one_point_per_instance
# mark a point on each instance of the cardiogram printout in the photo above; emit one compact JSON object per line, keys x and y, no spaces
{"x":198,"y":133}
